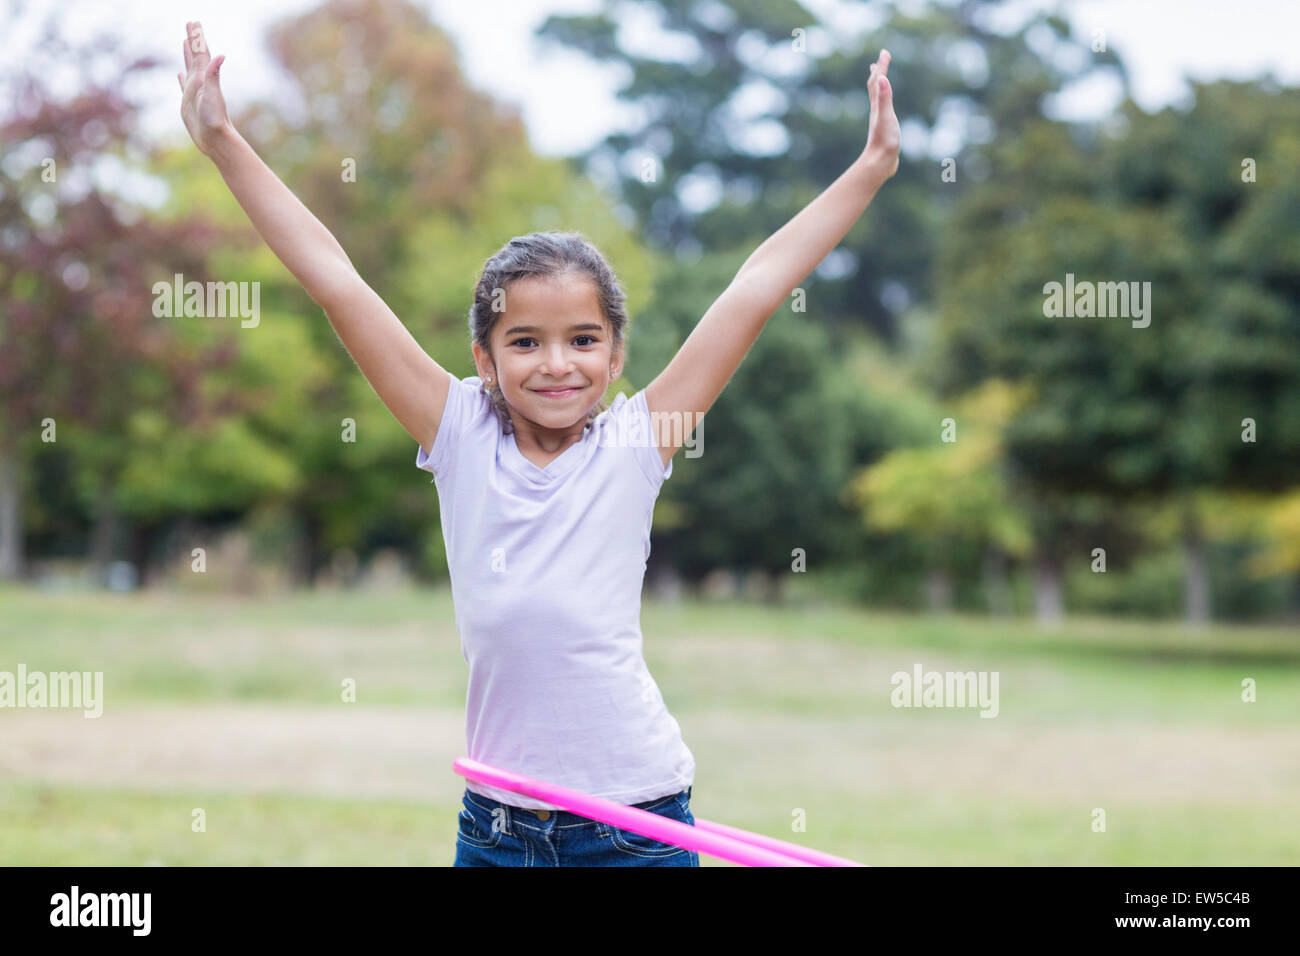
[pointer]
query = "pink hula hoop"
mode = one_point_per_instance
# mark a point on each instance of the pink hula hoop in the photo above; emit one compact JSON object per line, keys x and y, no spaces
{"x":716,"y":839}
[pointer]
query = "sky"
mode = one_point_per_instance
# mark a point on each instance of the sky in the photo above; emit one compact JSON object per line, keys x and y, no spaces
{"x":568,"y":104}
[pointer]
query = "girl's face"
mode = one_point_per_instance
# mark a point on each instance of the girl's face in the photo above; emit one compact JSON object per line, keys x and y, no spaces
{"x":552,"y":335}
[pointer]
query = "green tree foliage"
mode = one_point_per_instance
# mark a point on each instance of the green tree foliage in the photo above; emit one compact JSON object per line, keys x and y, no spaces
{"x":951,"y":491}
{"x":770,"y":106}
{"x":1139,"y":413}
{"x":778,"y":447}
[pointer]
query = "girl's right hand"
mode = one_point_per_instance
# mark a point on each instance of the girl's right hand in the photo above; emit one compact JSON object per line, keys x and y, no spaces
{"x":883,"y":135}
{"x":202,"y":106}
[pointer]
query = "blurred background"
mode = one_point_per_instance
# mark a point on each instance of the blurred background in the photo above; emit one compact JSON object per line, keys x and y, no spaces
{"x":1107,"y":516}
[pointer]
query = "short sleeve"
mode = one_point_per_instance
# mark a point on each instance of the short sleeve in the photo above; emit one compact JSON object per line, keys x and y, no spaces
{"x":455,"y":414}
{"x":647,"y":451}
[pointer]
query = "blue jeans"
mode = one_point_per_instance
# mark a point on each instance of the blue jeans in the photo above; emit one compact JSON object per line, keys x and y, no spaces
{"x":521,"y":837}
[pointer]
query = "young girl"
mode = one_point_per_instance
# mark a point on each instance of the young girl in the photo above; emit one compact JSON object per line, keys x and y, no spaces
{"x":546,"y":494}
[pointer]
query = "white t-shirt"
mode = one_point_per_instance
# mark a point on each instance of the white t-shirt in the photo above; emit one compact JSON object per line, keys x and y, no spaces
{"x":546,"y":568}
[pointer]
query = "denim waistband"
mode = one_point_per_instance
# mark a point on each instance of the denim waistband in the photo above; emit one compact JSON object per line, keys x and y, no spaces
{"x":565,"y":816}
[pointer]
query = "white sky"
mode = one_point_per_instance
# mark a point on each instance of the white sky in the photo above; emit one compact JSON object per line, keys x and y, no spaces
{"x":567,"y":104}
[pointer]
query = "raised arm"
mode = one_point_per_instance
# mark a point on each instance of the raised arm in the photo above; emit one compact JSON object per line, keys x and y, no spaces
{"x":407,"y":380}
{"x":697,"y":374}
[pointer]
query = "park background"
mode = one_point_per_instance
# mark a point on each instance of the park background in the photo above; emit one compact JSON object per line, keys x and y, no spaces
{"x":789,"y":578}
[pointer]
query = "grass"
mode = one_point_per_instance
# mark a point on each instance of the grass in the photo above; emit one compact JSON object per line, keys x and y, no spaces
{"x":66,"y":826}
{"x":787,"y":711}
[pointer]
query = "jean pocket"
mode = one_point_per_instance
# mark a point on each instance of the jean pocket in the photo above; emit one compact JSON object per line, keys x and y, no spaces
{"x":628,"y":841}
{"x":684,"y":805}
{"x":476,"y":827}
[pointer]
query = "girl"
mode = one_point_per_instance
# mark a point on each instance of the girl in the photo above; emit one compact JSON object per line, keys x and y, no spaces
{"x":546,"y":494}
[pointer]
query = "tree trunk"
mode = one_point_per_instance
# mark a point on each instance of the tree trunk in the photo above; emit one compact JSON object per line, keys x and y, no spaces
{"x":144,"y":542}
{"x":996,"y":589}
{"x":11,"y":518}
{"x":103,"y":535}
{"x":1049,"y":600}
{"x":1196,"y":579}
{"x":775,"y":588}
{"x":938,"y":590}
{"x":181,"y":542}
{"x":306,"y":549}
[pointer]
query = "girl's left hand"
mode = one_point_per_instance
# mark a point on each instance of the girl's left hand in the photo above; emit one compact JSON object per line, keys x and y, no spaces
{"x":203,"y":108}
{"x":883,"y":138}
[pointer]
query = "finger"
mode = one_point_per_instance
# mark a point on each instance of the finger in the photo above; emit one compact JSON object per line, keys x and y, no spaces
{"x":193,"y":39}
{"x":213,"y":73}
{"x":883,"y":60}
{"x":180,"y":82}
{"x":199,"y":47}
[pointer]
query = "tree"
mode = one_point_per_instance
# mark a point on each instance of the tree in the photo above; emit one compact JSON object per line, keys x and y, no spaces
{"x":1127,"y":410}
{"x":80,"y":350}
{"x":953,"y":496}
{"x":765,"y":490}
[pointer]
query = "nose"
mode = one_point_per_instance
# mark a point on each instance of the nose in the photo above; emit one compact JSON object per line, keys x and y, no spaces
{"x":556,"y":362}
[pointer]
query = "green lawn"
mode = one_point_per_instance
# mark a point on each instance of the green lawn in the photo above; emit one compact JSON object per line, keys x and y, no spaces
{"x":233,"y":706}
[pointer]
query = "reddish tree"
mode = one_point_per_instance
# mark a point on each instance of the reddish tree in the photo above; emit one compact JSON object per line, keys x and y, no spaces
{"x":78,"y":339}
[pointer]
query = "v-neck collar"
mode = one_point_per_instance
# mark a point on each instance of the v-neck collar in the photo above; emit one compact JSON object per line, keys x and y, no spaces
{"x":559,"y":466}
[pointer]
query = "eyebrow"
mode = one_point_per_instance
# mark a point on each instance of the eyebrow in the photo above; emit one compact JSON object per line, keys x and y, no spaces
{"x":586,"y":327}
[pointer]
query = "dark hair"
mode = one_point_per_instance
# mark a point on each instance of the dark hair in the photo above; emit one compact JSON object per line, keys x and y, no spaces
{"x":547,"y":255}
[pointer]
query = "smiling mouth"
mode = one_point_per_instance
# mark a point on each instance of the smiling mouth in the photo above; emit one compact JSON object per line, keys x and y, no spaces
{"x":558,"y":392}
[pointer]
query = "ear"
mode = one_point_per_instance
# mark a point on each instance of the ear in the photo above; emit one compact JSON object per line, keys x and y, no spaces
{"x":483,"y":363}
